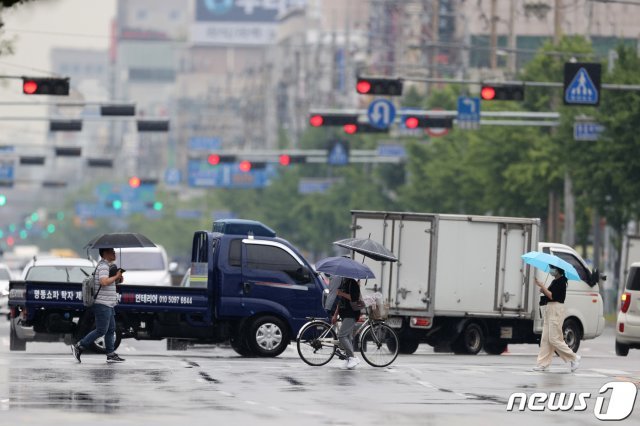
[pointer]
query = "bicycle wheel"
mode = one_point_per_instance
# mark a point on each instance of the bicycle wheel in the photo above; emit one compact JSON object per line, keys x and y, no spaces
{"x":379,"y":345}
{"x":317,"y":343}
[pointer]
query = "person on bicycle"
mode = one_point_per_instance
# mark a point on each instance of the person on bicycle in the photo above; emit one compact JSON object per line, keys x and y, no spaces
{"x":349,"y":310}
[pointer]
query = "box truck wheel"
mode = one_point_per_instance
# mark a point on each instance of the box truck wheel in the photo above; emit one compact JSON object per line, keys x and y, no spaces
{"x":495,"y":346}
{"x":470,"y":341}
{"x":572,"y":333}
{"x":408,"y":345}
{"x":17,"y":344}
{"x":268,"y":336}
{"x":622,"y":349}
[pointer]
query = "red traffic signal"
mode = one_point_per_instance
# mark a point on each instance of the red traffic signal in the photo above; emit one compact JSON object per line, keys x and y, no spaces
{"x":379,"y":86}
{"x":45,"y":86}
{"x":284,"y":160}
{"x":502,"y":92}
{"x":350,"y":128}
{"x":245,"y":166}
{"x":414,"y":122}
{"x":213,"y":159}
{"x":332,"y":119}
{"x":134,"y":182}
{"x":287,"y":159}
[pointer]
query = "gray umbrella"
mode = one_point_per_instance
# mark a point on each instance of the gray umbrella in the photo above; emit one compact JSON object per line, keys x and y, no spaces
{"x":119,"y":240}
{"x":344,"y":267}
{"x":369,"y":248}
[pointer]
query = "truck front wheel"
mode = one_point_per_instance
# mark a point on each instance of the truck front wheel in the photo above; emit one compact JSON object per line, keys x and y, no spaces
{"x":622,"y":349}
{"x":267,"y":336}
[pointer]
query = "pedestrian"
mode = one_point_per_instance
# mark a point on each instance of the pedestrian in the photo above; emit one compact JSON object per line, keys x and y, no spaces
{"x":103,"y":307}
{"x":552,"y":339}
{"x":349,"y":311}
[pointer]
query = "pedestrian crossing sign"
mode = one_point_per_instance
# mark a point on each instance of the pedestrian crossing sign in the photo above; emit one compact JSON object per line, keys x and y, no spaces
{"x":582,"y":84}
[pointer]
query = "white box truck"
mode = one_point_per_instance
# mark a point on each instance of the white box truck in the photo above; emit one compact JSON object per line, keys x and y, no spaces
{"x":460,"y":284}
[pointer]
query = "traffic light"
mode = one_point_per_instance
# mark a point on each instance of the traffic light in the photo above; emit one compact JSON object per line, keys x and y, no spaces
{"x":352,"y":129}
{"x":117,"y":110}
{"x":153,"y":125}
{"x":332,"y":119}
{"x":134,"y":182}
{"x":65,"y":125}
{"x":116,"y":204}
{"x":3,"y":200}
{"x":157,"y":206}
{"x":45,"y":86}
{"x":215,"y":159}
{"x":502,"y":92}
{"x":100,"y":162}
{"x":31,"y":160}
{"x":379,"y":86}
{"x":51,"y":228}
{"x":68,"y":151}
{"x":287,"y":159}
{"x":422,"y":122}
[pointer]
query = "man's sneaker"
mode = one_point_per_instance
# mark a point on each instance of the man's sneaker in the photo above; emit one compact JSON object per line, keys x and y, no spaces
{"x":352,"y":362}
{"x":114,"y":358}
{"x":575,"y":363}
{"x":540,"y":368}
{"x":76,"y":350}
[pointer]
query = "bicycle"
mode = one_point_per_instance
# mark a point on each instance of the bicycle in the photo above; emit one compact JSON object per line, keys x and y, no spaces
{"x":318,"y":342}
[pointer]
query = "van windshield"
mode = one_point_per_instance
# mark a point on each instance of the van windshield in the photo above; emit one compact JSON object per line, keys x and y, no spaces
{"x":140,"y":261}
{"x":633,"y":282}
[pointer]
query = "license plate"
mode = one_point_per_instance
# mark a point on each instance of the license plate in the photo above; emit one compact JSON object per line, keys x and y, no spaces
{"x":394,"y":322}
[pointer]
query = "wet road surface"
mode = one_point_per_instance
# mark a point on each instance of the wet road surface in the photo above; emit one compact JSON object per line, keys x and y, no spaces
{"x":207,"y":385}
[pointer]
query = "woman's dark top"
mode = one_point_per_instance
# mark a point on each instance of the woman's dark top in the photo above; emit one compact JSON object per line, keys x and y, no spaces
{"x":558,"y":289}
{"x":353,"y":289}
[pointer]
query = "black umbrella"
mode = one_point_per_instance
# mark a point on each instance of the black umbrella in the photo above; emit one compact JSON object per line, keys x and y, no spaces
{"x":119,"y":240}
{"x":369,"y":248}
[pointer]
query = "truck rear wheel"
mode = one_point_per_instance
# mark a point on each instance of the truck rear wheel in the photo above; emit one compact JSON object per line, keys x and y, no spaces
{"x":572,"y":333}
{"x":267,"y":336}
{"x":16,"y":343}
{"x":408,"y":345}
{"x":494,"y":346}
{"x":470,"y":341}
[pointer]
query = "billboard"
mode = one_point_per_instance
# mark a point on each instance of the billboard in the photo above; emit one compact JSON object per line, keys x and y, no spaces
{"x":238,"y":22}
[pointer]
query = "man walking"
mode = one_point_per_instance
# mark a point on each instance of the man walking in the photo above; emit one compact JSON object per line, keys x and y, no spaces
{"x":103,"y":308}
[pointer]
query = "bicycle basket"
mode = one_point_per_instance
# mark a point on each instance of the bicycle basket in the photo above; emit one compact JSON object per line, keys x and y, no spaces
{"x":379,"y":311}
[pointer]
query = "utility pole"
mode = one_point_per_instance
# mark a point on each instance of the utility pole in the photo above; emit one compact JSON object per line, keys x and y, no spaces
{"x":435,"y":36}
{"x":494,"y":35}
{"x":511,"y":59}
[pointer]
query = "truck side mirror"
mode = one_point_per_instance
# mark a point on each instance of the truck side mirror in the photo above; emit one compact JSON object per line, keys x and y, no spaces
{"x":595,"y":277}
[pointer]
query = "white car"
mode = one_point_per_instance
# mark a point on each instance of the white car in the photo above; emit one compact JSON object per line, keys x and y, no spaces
{"x":628,"y":323}
{"x":144,"y":266}
{"x":5,"y":277}
{"x":58,"y":269}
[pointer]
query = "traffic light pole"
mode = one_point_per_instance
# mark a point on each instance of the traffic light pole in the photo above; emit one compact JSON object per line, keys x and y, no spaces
{"x":609,"y":86}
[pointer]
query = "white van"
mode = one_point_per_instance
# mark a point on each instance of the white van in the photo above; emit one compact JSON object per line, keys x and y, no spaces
{"x":628,"y":323}
{"x":144,"y":265}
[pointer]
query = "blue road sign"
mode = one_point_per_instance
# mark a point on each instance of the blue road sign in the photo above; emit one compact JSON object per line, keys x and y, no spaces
{"x":581,"y":90}
{"x":204,"y":143}
{"x":381,"y":113}
{"x":391,"y":150}
{"x":587,"y":131}
{"x":468,"y":112}
{"x":172,"y":176}
{"x":6,"y":170}
{"x":338,"y":155}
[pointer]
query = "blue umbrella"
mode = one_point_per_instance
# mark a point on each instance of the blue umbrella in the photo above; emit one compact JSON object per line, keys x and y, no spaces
{"x":344,"y":267}
{"x":542,"y":261}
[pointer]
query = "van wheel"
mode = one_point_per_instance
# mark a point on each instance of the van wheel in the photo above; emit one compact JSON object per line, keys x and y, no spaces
{"x":16,"y":343}
{"x":177,"y":344}
{"x":267,"y":336}
{"x":470,"y":341}
{"x":622,"y":349}
{"x":572,"y":333}
{"x":239,"y":343}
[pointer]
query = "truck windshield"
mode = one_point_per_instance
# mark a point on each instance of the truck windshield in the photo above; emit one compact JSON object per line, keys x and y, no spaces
{"x":633,"y":282}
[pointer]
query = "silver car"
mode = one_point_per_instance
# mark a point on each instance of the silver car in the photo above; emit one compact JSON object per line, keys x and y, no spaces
{"x":628,"y":323}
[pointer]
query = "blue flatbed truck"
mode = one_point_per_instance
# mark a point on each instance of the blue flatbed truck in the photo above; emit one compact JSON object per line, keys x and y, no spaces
{"x":259,"y":292}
